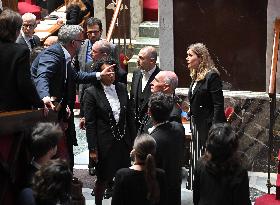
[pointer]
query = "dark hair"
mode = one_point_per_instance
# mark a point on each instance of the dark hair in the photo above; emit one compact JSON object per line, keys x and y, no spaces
{"x":94,"y":21}
{"x":104,"y":60}
{"x":144,"y":148}
{"x":221,"y":147}
{"x":52,"y":183}
{"x":10,"y":24}
{"x":160,"y":106}
{"x":44,"y":137}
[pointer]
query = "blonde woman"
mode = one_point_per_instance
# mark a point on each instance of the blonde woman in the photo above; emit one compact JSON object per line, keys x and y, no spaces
{"x":205,"y":93}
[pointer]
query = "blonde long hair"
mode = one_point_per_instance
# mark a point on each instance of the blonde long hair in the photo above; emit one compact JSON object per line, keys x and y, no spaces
{"x":206,"y":63}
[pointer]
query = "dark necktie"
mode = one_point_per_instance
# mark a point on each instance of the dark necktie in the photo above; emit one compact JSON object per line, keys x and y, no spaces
{"x":32,"y":43}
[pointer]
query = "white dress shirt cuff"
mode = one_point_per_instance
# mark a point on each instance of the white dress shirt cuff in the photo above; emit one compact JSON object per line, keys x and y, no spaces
{"x":98,"y":75}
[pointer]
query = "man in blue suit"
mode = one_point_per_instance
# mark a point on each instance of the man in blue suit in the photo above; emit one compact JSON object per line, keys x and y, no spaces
{"x":55,"y":80}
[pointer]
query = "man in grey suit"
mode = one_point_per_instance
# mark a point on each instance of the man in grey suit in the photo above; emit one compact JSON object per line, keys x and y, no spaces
{"x":26,"y":36}
{"x":94,"y":31}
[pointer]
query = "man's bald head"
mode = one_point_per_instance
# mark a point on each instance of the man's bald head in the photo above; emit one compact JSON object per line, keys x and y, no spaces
{"x":165,"y":81}
{"x":50,"y":41}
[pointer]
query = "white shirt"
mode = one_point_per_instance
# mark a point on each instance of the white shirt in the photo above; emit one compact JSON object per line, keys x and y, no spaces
{"x":146,"y":76}
{"x":67,"y":58}
{"x":26,"y":40}
{"x":1,"y":7}
{"x":112,"y":97}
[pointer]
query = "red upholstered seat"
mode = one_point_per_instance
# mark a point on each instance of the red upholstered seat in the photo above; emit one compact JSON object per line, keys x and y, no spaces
{"x":150,"y":10}
{"x":267,"y":199}
{"x":28,"y":6}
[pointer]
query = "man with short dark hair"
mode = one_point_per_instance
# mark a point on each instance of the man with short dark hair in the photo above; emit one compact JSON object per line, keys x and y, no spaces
{"x":43,"y":147}
{"x":93,"y":32}
{"x":169,"y":137}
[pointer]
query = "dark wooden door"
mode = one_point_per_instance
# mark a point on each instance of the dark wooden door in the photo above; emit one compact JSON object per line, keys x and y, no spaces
{"x":123,"y":23}
{"x":234,"y":32}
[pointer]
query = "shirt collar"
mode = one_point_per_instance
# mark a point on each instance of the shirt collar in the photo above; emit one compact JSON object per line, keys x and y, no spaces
{"x":108,"y":87}
{"x":150,"y":72}
{"x":24,"y":36}
{"x":35,"y":164}
{"x":150,"y":130}
{"x":66,"y":54}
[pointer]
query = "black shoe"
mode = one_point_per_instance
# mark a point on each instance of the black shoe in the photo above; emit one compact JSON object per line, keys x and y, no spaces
{"x":92,"y":171}
{"x":108,"y":193}
{"x":92,"y":193}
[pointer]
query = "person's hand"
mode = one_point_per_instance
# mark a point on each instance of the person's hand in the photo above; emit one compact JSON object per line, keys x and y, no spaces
{"x":48,"y":103}
{"x":82,"y":123}
{"x":93,"y":155}
{"x":108,"y":71}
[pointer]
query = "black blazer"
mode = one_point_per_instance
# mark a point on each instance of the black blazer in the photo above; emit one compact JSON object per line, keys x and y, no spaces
{"x":49,"y":70}
{"x":17,"y":90}
{"x":175,"y":115}
{"x":138,"y":99}
{"x":170,"y":151}
{"x":121,"y":77}
{"x":101,"y":127}
{"x":207,"y":104}
{"x":20,"y":40}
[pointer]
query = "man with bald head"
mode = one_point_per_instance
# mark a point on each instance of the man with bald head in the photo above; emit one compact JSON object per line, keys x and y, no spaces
{"x":50,"y":41}
{"x":140,"y":87}
{"x":165,"y":82}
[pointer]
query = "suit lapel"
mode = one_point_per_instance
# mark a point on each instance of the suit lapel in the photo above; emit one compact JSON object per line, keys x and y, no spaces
{"x":137,"y":83}
{"x":147,"y":91}
{"x":101,"y":96}
{"x":198,"y":84}
{"x":122,"y":99}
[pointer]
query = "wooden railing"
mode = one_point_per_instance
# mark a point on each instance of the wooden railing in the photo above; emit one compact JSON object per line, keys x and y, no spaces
{"x":114,"y":20}
{"x":121,"y":21}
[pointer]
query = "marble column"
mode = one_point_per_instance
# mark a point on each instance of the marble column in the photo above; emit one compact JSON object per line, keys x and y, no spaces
{"x":99,"y":12}
{"x":136,"y":16}
{"x":272,"y":12}
{"x":166,"y":37}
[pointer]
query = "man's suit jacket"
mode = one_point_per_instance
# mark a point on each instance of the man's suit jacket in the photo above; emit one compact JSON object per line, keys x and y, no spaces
{"x":20,"y":40}
{"x":17,"y":91}
{"x":139,"y":99}
{"x":49,"y":74}
{"x":170,"y":150}
{"x":121,"y":77}
{"x":101,"y":127}
{"x":207,"y":103}
{"x":82,"y":56}
{"x":175,"y":116}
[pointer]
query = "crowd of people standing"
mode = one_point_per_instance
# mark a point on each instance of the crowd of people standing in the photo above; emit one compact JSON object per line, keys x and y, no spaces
{"x":144,"y":127}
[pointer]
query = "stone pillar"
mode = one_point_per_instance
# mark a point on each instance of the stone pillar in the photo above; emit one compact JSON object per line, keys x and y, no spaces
{"x":99,"y":12}
{"x":166,"y":37}
{"x":136,"y":16}
{"x":272,"y":12}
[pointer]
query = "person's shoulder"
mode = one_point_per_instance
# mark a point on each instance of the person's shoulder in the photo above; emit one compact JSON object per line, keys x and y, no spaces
{"x":124,"y":172}
{"x":212,"y":74}
{"x":160,"y":172}
{"x":176,"y":125}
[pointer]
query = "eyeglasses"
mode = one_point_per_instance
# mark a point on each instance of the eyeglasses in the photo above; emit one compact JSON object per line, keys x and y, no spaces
{"x":28,"y":25}
{"x":91,"y":32}
{"x":82,"y":41}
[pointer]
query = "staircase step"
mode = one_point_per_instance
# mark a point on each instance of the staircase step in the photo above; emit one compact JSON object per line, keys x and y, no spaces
{"x":132,"y":64}
{"x":149,"y":29}
{"x":144,"y":41}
